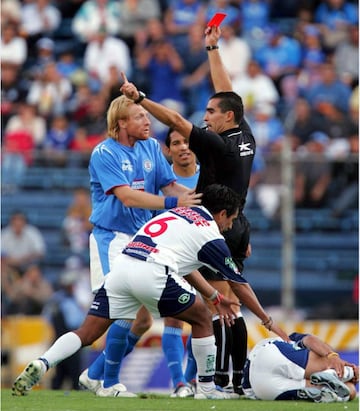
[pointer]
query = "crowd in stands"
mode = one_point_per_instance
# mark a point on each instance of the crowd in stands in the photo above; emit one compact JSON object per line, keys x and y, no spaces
{"x":295,"y":66}
{"x":294,"y":62}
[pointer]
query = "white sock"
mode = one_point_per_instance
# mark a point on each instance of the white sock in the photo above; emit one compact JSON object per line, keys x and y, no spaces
{"x":65,"y":346}
{"x":204,"y":351}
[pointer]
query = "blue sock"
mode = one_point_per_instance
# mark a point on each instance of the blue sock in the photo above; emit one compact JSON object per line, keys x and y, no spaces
{"x":96,"y":369}
{"x":116,"y":343}
{"x":132,"y":341}
{"x":191,"y":368}
{"x":173,"y":347}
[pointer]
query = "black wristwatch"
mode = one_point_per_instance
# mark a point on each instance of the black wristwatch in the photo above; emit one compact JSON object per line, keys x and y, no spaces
{"x":141,"y":97}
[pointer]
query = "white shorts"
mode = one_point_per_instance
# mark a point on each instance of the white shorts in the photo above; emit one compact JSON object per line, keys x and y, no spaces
{"x":272,"y":373}
{"x":132,"y":283}
{"x":105,"y":246}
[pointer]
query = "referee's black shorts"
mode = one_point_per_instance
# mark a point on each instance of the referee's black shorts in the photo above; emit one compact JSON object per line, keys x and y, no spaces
{"x":237,"y":240}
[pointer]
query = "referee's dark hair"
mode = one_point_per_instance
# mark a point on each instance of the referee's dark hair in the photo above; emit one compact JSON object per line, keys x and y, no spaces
{"x":217,"y":197}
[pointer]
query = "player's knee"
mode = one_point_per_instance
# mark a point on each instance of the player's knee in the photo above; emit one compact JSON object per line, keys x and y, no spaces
{"x":141,"y":324}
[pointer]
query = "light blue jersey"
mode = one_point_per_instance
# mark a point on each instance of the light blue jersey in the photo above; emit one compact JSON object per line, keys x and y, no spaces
{"x":142,"y":167}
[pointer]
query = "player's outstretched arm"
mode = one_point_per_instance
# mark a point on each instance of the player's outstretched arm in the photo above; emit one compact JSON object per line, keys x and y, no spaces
{"x":165,"y":115}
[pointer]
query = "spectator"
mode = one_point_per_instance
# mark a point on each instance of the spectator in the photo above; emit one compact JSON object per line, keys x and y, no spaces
{"x":280,"y":57}
{"x":152,"y":33}
{"x":269,"y":134}
{"x":25,"y":293}
{"x":39,"y":18}
{"x":22,"y":243}
{"x":301,"y":122}
{"x":94,"y":14}
{"x":104,"y":51}
{"x":76,"y":226}
{"x":163,"y":66}
{"x":328,"y":90}
{"x":44,"y":54}
{"x":313,"y":173}
{"x":346,"y":57}
{"x":13,"y":48}
{"x":345,"y":180}
{"x":94,"y":121}
{"x":64,"y":313}
{"x":254,"y":17}
{"x":179,"y":17}
{"x":13,"y":90}
{"x":255,"y":88}
{"x":51,"y":92}
{"x":234,"y":51}
{"x":57,"y":141}
{"x":196,"y":85}
{"x":10,"y":11}
{"x":134,"y":15}
{"x":23,"y":249}
{"x":67,"y":66}
{"x":334,"y":17}
{"x":24,"y":133}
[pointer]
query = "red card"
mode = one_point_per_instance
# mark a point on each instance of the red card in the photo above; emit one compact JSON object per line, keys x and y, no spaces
{"x":216,"y":20}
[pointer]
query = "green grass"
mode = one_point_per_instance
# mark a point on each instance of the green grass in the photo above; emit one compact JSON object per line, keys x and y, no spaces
{"x":47,"y":400}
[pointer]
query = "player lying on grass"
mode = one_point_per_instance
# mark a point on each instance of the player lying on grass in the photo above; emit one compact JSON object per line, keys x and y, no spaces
{"x":150,"y":271}
{"x":306,"y":368}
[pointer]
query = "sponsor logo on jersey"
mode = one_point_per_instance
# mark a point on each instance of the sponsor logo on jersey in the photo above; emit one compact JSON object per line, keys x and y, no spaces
{"x":230,"y":262}
{"x":148,"y":166}
{"x":184,"y":298}
{"x":245,"y":149}
{"x":138,"y":185}
{"x":126,"y":165}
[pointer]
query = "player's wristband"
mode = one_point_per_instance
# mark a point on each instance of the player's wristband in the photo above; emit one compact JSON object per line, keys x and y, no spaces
{"x":268,"y":323}
{"x":219,"y":297}
{"x":170,"y":202}
{"x":209,"y":48}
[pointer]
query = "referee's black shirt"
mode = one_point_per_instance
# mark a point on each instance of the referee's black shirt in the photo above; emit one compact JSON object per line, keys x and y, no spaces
{"x":224,"y":158}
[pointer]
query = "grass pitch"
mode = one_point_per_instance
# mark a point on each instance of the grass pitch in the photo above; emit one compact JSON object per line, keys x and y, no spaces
{"x":49,"y":400}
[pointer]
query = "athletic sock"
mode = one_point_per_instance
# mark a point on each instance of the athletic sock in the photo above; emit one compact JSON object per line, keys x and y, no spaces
{"x":191,"y":368}
{"x":173,"y":348}
{"x":132,"y":341}
{"x":239,"y":349}
{"x":223,"y":340}
{"x":64,"y":347}
{"x":96,"y":369}
{"x":115,"y":348}
{"x":204,"y":351}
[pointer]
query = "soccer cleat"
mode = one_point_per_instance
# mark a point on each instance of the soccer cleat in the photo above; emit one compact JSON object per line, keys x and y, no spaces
{"x":88,"y":383}
{"x":330,"y":379}
{"x":323,"y":394}
{"x":182,"y":391}
{"x":214,"y":393}
{"x":29,"y":377}
{"x":116,"y":390}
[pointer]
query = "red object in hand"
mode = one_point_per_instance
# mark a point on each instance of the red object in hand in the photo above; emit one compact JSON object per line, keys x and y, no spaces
{"x":216,"y":20}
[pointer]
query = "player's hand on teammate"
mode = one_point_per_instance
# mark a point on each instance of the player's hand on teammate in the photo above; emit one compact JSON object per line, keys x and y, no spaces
{"x":189,"y":199}
{"x":227,"y":314}
{"x":275,"y":328}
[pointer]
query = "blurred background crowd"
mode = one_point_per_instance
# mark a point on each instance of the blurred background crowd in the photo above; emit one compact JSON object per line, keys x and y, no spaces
{"x":294,"y":62}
